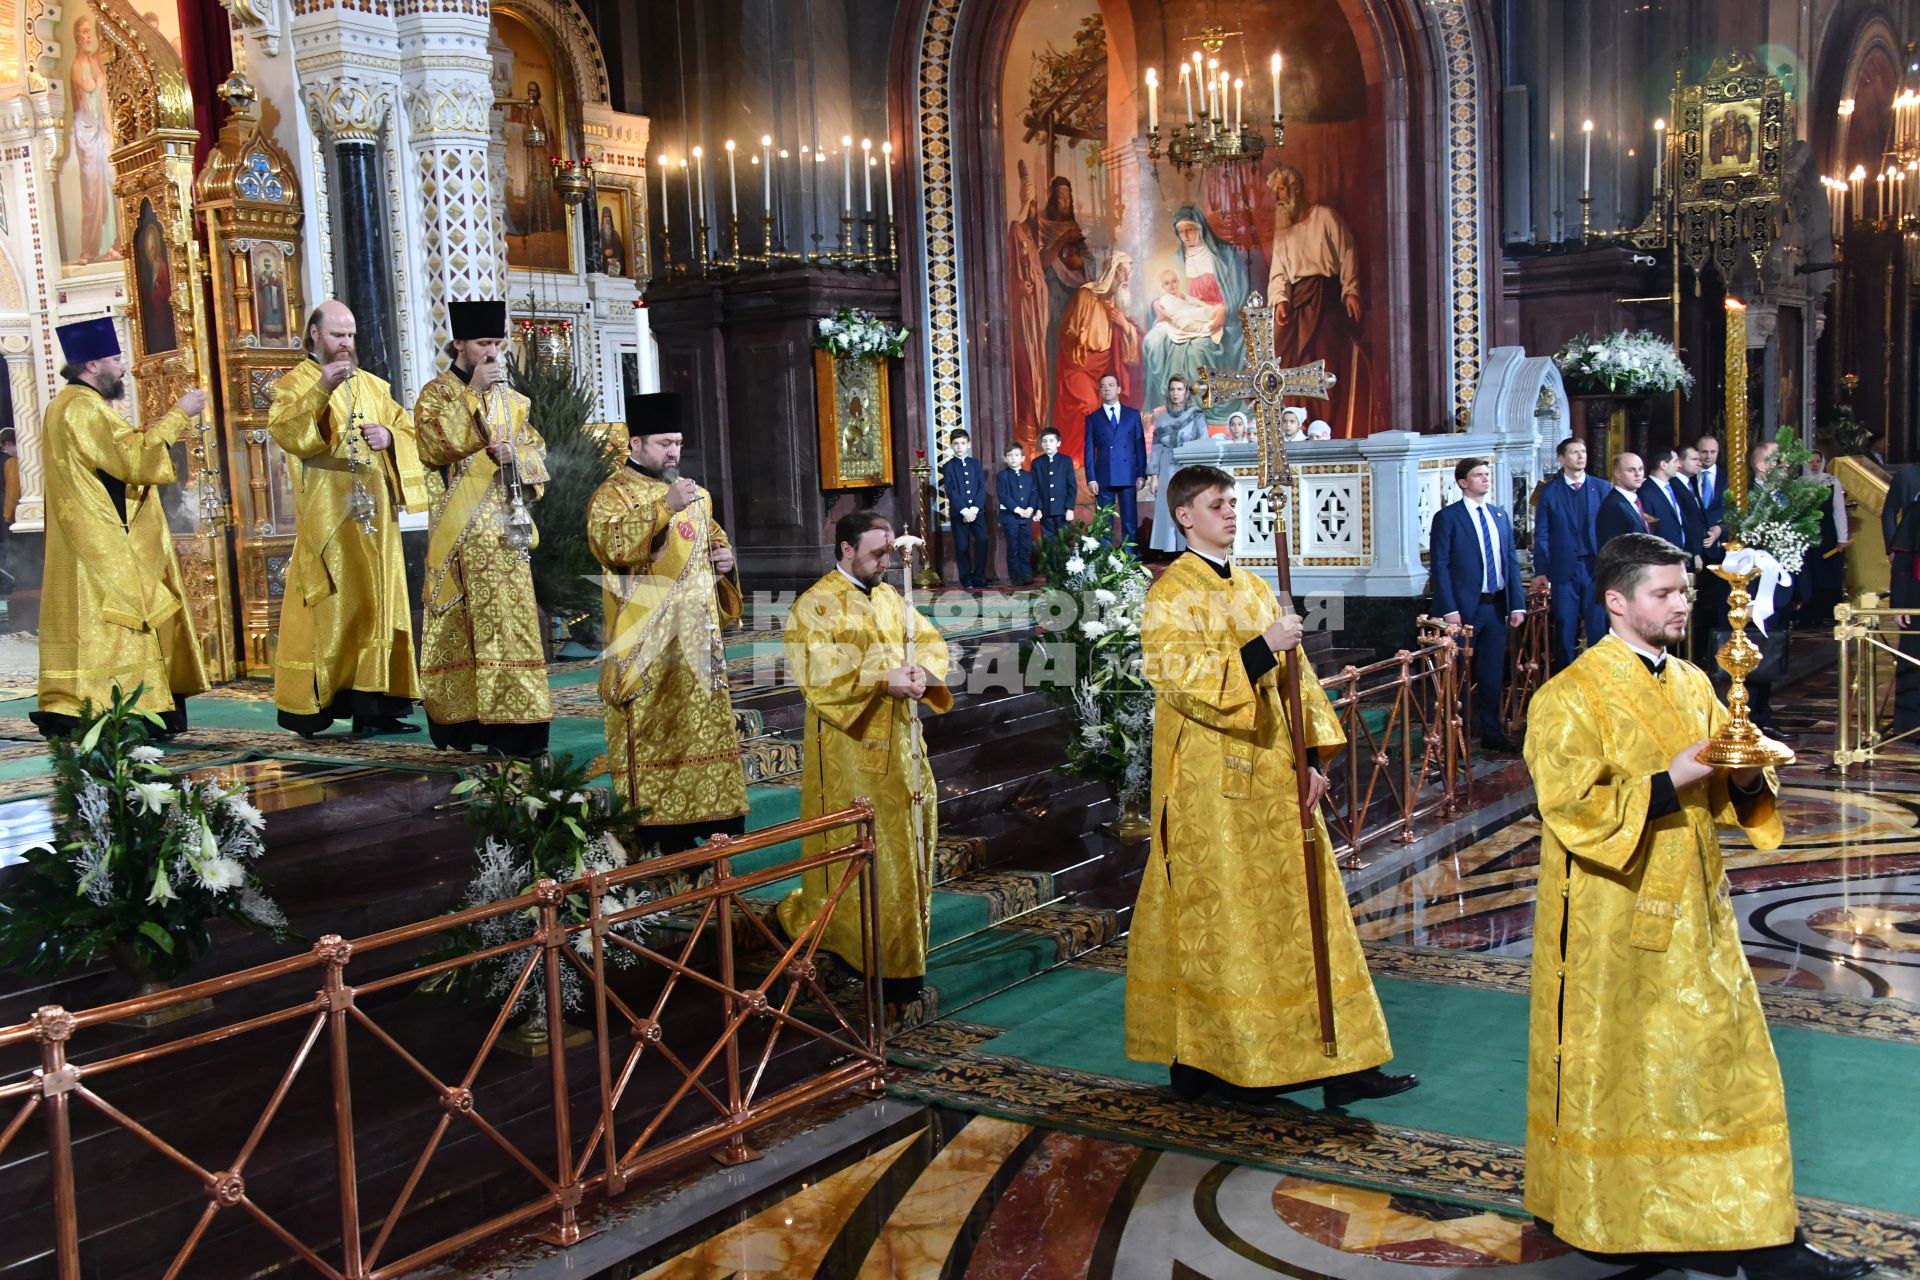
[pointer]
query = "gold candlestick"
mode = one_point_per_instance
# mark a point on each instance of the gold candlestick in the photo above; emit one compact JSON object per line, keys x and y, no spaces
{"x":1740,"y":744}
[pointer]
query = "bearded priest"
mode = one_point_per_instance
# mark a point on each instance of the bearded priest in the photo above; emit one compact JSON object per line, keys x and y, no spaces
{"x":1656,"y":1121}
{"x":846,"y":644}
{"x":669,"y":592}
{"x":113,"y":611}
{"x":1221,"y":981}
{"x":346,"y":629}
{"x":482,"y":669}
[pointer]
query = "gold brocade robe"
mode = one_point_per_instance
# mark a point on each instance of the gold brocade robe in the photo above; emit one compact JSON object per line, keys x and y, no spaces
{"x":112,"y":603}
{"x":840,"y":643}
{"x":1655,"y":1115}
{"x":1220,"y":966}
{"x":671,"y":742}
{"x":480,"y":653}
{"x":345,"y":622}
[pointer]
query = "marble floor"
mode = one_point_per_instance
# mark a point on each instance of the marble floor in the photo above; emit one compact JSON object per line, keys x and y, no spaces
{"x":980,"y":1198}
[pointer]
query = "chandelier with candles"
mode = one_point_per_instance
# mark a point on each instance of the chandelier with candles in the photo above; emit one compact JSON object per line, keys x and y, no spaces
{"x":1216,"y":130}
{"x":1889,"y":199}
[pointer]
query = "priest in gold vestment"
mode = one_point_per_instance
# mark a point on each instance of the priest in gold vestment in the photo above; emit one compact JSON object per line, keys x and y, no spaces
{"x":345,"y":646}
{"x":1656,"y":1121}
{"x":113,"y":607}
{"x":846,"y":647}
{"x":669,"y":593}
{"x":1220,"y":969}
{"x":483,"y":671}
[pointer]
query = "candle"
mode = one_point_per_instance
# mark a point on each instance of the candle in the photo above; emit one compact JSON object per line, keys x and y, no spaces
{"x":1659,"y":156}
{"x":886,"y":149}
{"x":1153,"y":100}
{"x":691,"y":224}
{"x":733,"y":185}
{"x":1238,"y":120}
{"x":649,"y":355}
{"x":866,"y":166}
{"x":1857,"y":181}
{"x":700,"y":178}
{"x":1879,"y":195}
{"x":846,"y":171}
{"x":1586,"y":182}
{"x":665,"y":221}
{"x":1276,"y":86}
{"x":1186,"y":85}
{"x":766,"y":172}
{"x":1213,"y":85}
{"x":1736,"y":407}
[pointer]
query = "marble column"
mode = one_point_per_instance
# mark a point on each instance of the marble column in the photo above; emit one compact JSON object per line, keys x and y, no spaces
{"x":350,"y":115}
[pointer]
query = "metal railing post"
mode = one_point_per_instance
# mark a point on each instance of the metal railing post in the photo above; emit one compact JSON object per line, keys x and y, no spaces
{"x":553,"y":936}
{"x":53,"y":1027}
{"x":337,"y":999}
{"x":736,"y":1151}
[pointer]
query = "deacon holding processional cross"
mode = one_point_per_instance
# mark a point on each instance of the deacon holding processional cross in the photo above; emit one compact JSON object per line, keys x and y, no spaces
{"x":1245,"y":972}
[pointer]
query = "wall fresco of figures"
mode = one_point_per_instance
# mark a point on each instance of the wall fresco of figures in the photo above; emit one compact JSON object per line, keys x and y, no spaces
{"x":1140,"y":270}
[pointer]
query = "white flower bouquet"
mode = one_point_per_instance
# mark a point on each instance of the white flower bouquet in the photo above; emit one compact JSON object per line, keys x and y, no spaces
{"x":1623,"y":363}
{"x":143,"y":858}
{"x":853,"y":332}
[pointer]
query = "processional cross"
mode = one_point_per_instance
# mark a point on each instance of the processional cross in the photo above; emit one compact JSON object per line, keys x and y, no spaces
{"x":1265,"y":385}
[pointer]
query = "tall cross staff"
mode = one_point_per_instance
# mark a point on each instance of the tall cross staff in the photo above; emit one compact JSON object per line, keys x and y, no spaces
{"x":1265,"y":385}
{"x":923,"y":863}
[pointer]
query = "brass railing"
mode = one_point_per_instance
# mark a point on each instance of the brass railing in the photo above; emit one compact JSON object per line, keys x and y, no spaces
{"x":1870,"y":664}
{"x":627,"y":1134}
{"x":1408,"y":765}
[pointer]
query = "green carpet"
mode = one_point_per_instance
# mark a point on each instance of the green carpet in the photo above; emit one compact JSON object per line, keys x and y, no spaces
{"x":1469,"y":1047}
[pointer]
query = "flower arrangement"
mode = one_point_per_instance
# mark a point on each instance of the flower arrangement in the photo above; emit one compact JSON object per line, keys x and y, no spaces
{"x":1781,"y":515}
{"x":853,"y":332}
{"x":143,"y":858}
{"x":1102,"y":597}
{"x":1850,"y":435}
{"x":538,"y":820}
{"x":1622,"y":363}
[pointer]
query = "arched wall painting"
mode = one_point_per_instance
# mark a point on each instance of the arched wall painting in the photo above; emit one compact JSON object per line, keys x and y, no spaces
{"x":88,"y":221}
{"x":536,"y":131}
{"x":1144,"y":275}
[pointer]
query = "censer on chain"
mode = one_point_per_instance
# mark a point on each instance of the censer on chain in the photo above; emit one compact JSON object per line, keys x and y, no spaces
{"x":519,"y":530}
{"x":360,"y":506}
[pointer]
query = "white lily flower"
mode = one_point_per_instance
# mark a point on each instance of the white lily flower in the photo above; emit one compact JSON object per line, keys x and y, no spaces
{"x":151,"y":796}
{"x":533,"y":804}
{"x":162,"y":890}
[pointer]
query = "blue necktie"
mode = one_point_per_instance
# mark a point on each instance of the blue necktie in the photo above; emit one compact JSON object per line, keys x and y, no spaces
{"x":1706,"y":488}
{"x":1486,"y":551}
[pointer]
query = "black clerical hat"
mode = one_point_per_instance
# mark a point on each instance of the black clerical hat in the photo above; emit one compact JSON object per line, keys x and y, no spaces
{"x":477,"y":319}
{"x":85,"y":340}
{"x":653,"y":414}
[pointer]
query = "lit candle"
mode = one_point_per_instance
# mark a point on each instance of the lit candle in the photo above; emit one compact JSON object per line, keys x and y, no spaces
{"x":1276,"y":86}
{"x":733,"y":185}
{"x":766,"y":174}
{"x":846,"y":171}
{"x":1213,"y":87}
{"x":1659,"y":156}
{"x":1586,"y":182}
{"x":1186,"y":84}
{"x":886,"y":149}
{"x":866,"y":166}
{"x":1238,"y":119}
{"x":1856,"y":191}
{"x":666,"y":222}
{"x":700,"y":179}
{"x":1879,"y":195}
{"x":649,"y":355}
{"x":1153,"y":100}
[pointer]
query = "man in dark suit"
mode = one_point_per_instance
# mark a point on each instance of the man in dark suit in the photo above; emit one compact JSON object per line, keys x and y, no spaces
{"x":1059,"y":486}
{"x":965,"y":485}
{"x":1710,"y":484}
{"x":1476,"y":581}
{"x":1660,"y":499}
{"x":1564,"y":546}
{"x":1621,"y":512}
{"x":1693,"y":511}
{"x":1019,"y":500}
{"x":1116,"y":455}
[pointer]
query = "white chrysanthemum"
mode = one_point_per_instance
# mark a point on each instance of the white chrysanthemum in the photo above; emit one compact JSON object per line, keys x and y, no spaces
{"x":1076,"y":565}
{"x":222,"y":874}
{"x":153,"y":797}
{"x":1093,"y":628}
{"x":1104,"y":596}
{"x":1089,"y":544}
{"x":245,"y":813}
{"x":146,"y":755}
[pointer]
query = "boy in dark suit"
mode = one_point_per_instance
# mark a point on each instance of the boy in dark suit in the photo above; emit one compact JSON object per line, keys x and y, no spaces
{"x":1019,"y":504}
{"x":1476,"y":580}
{"x":965,"y":485}
{"x":1057,"y":485}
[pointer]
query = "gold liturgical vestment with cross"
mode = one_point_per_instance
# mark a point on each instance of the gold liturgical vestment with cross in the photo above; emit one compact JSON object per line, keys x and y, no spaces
{"x":112,"y":603}
{"x":481,"y":659}
{"x":840,"y":643}
{"x":1655,"y":1115}
{"x":671,"y":742}
{"x":345,"y":622}
{"x":1220,"y":972}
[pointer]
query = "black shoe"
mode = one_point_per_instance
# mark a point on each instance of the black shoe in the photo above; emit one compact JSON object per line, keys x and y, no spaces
{"x":1801,"y":1261}
{"x":386,"y":724}
{"x":1190,"y":1084}
{"x":1776,"y":733}
{"x":1371,"y":1083}
{"x":1706,"y":1264}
